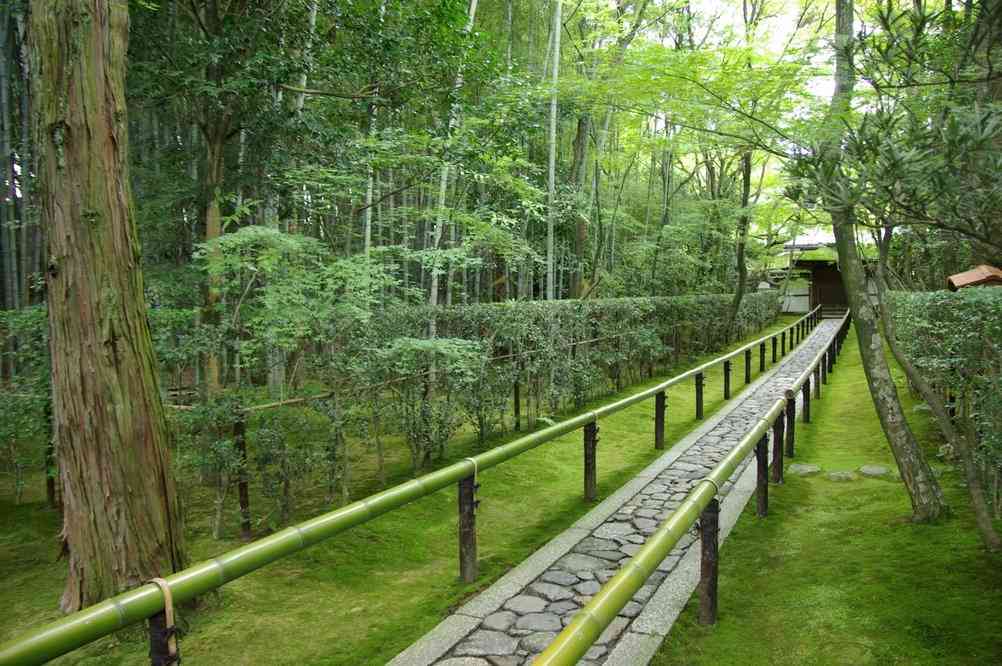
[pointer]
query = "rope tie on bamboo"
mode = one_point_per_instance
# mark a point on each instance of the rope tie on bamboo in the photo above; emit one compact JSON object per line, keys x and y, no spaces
{"x":170,"y":629}
{"x":714,"y":483}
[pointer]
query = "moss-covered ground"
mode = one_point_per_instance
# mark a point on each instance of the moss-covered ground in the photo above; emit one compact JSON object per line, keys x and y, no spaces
{"x":837,"y":574}
{"x":363,"y":596}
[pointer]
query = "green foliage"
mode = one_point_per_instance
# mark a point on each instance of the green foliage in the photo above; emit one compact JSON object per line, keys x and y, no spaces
{"x":955,"y":341}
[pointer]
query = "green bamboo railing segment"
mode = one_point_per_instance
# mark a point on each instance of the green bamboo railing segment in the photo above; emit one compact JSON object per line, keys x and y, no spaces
{"x":78,"y":629}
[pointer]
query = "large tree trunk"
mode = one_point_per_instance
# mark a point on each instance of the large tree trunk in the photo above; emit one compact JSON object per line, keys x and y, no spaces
{"x":744,"y":221}
{"x":923,"y":489}
{"x":121,"y":519}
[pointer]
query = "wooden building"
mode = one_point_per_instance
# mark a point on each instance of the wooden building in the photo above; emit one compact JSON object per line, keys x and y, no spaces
{"x":827,"y":288}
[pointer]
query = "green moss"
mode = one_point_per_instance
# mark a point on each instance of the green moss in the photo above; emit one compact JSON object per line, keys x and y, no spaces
{"x":837,"y":574}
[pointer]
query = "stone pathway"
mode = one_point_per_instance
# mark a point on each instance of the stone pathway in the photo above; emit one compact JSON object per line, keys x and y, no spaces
{"x":507,"y":625}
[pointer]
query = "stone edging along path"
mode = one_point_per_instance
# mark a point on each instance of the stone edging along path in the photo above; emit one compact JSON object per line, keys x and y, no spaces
{"x":514,"y":619}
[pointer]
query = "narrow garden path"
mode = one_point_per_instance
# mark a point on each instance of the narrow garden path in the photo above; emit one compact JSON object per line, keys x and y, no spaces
{"x":514,"y":619}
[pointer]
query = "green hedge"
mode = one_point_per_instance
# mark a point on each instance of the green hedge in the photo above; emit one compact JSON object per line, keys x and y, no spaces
{"x":955,"y":340}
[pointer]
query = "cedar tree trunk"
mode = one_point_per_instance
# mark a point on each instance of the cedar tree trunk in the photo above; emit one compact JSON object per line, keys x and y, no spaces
{"x":121,"y":520}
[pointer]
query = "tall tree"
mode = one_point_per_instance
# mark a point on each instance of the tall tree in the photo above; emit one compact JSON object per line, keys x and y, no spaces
{"x":923,"y":489}
{"x":121,"y":520}
{"x":551,"y":212}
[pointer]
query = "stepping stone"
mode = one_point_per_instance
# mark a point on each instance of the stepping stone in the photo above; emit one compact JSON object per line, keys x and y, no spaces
{"x":559,"y":578}
{"x":874,"y":471}
{"x":551,"y":592}
{"x":500,"y":621}
{"x":590,"y":544}
{"x":575,"y":562}
{"x":537,"y":642}
{"x":612,"y":530}
{"x":539,"y":622}
{"x":464,"y":661}
{"x":631,"y":609}
{"x":505,"y":661}
{"x":483,"y":643}
{"x":562,"y":607}
{"x":802,"y":469}
{"x":841,"y":476}
{"x":587,"y":587}
{"x":613,"y":631}
{"x":523,"y":604}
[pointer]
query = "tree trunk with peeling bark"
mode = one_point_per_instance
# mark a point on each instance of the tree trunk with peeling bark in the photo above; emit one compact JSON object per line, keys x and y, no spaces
{"x":121,"y":519}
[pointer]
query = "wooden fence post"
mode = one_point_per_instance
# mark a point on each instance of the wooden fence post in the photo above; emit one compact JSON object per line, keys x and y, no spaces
{"x":748,"y":366}
{"x":761,"y":357}
{"x":791,"y":421}
{"x":806,"y":393}
{"x":590,"y":472}
{"x":783,"y":343}
{"x":659,"y":420}
{"x":824,"y":368}
{"x":709,"y":528}
{"x":762,"y":478}
{"x":817,"y":381}
{"x":699,"y":379}
{"x":774,"y":343}
{"x":777,"y":449}
{"x":727,"y":379}
{"x":243,"y":492}
{"x":468,"y":568}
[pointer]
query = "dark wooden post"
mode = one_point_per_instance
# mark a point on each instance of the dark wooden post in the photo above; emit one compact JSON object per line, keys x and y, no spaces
{"x":727,"y":379}
{"x":748,"y":366}
{"x":824,"y":368}
{"x":518,"y":402}
{"x":50,"y":458}
{"x":659,"y":420}
{"x":243,"y":493}
{"x":774,"y":343}
{"x":709,"y":528}
{"x":160,"y":653}
{"x":806,"y":393}
{"x":831,"y":357}
{"x":777,"y":449}
{"x":817,"y":381}
{"x":468,"y":529}
{"x":762,"y":480}
{"x":782,"y":349}
{"x":699,"y":395}
{"x":791,"y":421}
{"x":761,"y":357}
{"x":590,"y":472}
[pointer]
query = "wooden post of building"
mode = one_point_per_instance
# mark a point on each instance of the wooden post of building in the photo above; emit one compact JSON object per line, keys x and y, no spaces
{"x":659,"y":420}
{"x":777,"y":449}
{"x":468,"y":529}
{"x":791,"y":421}
{"x":709,"y":528}
{"x":590,"y":471}
{"x":727,"y":379}
{"x":699,"y":379}
{"x":762,"y":478}
{"x":748,"y":366}
{"x":243,"y":492}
